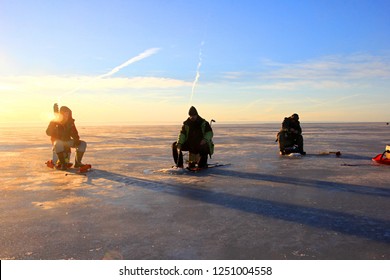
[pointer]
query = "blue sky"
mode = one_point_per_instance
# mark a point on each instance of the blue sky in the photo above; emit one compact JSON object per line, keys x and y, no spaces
{"x":256,"y":61}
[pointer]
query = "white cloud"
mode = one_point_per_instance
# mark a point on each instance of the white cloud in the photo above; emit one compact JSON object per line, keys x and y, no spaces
{"x":63,"y":84}
{"x":306,"y":84}
{"x":325,"y":73}
{"x":352,"y":67}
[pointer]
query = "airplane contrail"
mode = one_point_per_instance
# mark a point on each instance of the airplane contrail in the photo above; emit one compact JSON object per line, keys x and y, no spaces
{"x":139,"y":57}
{"x":197,"y":72}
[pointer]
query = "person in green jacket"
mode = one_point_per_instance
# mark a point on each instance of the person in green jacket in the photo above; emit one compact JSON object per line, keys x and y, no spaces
{"x":196,"y":137}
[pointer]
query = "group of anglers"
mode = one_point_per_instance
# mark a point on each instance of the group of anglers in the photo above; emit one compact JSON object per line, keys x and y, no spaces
{"x":196,"y":137}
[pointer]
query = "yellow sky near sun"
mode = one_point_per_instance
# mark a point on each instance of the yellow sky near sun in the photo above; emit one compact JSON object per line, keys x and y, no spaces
{"x":155,"y":100}
{"x":89,"y":109}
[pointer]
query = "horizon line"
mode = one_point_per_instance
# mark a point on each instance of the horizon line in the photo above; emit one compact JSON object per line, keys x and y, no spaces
{"x":91,"y":124}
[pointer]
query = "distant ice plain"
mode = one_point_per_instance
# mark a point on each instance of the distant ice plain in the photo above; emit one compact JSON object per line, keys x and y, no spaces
{"x":261,"y":206}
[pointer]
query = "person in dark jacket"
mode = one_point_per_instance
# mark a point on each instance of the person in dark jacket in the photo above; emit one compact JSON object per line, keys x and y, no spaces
{"x":64,"y":135}
{"x":196,"y":137}
{"x":290,"y":136}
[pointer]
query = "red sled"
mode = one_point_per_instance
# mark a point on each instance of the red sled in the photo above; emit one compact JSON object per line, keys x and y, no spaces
{"x":51,"y":164}
{"x":382,"y":159}
{"x":83,"y":169}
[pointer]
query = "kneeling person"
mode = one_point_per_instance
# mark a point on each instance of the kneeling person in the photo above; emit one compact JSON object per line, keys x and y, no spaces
{"x":196,"y":137}
{"x":290,"y":136}
{"x":64,"y":136}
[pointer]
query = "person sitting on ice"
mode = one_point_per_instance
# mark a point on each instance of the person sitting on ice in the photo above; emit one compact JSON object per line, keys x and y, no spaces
{"x":290,"y":136}
{"x":196,"y":137}
{"x":64,"y":136}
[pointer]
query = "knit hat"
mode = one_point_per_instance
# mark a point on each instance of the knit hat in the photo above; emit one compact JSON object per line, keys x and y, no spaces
{"x":295,"y":116}
{"x":64,"y":109}
{"x":192,"y":111}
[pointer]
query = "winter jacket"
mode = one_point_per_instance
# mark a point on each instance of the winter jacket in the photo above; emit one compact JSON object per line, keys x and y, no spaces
{"x":65,"y":132}
{"x":193,"y":132}
{"x":289,"y":123}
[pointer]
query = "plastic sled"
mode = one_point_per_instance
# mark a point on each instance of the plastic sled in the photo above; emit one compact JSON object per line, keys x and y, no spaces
{"x":382,"y":159}
{"x":55,"y":163}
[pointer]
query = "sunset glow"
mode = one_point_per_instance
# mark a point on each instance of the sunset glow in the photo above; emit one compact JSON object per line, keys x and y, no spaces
{"x":330,"y":63}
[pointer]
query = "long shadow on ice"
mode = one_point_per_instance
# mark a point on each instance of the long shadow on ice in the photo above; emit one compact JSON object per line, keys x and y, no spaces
{"x":326,"y":185}
{"x":355,"y":225}
{"x":356,"y":157}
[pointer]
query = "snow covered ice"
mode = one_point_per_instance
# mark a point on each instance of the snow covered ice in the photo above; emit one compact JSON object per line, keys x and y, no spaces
{"x":261,"y":206}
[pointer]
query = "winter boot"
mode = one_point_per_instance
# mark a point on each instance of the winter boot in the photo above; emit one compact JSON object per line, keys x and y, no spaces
{"x":79,"y":157}
{"x":202,"y":163}
{"x":61,"y":159}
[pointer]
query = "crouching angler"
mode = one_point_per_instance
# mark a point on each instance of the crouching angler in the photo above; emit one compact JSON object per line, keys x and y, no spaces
{"x":64,"y":136}
{"x":290,"y":136}
{"x":195,"y":137}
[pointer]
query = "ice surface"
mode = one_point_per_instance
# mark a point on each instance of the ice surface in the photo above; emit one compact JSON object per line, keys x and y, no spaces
{"x":133,"y":205}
